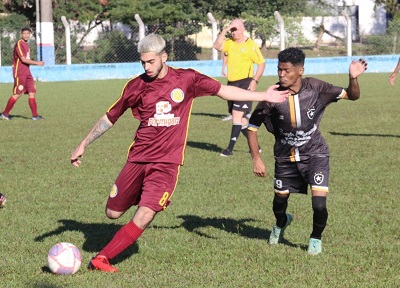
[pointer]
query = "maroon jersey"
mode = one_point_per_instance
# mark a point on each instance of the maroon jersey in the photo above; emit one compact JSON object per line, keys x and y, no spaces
{"x":295,"y":122}
{"x":21,"y":49}
{"x":163,"y":108}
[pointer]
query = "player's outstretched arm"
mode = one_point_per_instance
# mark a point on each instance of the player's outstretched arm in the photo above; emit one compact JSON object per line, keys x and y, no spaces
{"x":31,"y":62}
{"x":355,"y":70}
{"x":238,"y":94}
{"x":98,"y":129}
{"x":259,"y":168}
{"x":396,"y":70}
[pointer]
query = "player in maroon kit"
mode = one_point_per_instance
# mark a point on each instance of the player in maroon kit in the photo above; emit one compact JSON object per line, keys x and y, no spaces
{"x":161,"y":99}
{"x":23,"y":79}
{"x":301,"y":153}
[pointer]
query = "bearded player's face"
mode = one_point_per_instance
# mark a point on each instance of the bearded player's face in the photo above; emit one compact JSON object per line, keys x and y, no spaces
{"x":153,"y":63}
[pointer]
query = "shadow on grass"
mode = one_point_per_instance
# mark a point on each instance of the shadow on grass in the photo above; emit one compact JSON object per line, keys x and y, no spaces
{"x":208,"y":114}
{"x":241,"y":227}
{"x":97,"y":235}
{"x":204,"y":146}
{"x":18,"y":116}
{"x":364,"y":135}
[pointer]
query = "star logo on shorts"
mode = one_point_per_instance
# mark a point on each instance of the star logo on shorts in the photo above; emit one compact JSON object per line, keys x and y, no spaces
{"x":318,"y":178}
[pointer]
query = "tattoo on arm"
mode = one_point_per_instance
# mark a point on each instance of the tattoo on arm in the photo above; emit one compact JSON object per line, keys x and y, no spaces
{"x":98,"y":130}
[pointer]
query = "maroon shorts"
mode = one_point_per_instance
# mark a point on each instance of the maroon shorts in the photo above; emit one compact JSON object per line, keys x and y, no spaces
{"x":145,"y":184}
{"x":24,"y":84}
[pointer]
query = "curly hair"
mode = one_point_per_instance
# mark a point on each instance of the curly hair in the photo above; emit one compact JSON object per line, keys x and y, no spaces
{"x":293,"y":55}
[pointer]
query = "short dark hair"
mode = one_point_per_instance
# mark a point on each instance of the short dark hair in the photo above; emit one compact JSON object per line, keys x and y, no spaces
{"x":293,"y":55}
{"x":26,"y":29}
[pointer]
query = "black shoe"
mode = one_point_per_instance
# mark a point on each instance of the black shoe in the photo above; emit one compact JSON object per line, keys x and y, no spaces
{"x":227,"y":152}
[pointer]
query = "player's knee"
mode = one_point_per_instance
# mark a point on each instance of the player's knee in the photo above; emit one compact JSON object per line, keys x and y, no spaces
{"x":281,"y":198}
{"x":113,"y":214}
{"x":319,"y":203}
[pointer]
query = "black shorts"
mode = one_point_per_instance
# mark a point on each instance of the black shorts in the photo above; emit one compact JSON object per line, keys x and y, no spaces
{"x":295,"y":177}
{"x":244,"y":106}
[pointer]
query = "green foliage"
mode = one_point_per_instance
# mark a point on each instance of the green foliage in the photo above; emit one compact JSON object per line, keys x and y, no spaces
{"x":12,"y":23}
{"x":214,"y":234}
{"x":114,"y":47}
{"x":391,"y":6}
{"x":377,"y":44}
{"x":294,"y":32}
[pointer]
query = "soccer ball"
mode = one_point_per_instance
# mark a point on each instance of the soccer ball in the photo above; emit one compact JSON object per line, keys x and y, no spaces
{"x":3,"y":200}
{"x":64,"y":258}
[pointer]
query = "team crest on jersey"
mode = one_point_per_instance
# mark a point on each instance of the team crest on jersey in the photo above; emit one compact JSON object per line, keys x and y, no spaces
{"x":177,"y":95}
{"x":114,"y":191}
{"x":311,"y":113}
{"x":318,"y":178}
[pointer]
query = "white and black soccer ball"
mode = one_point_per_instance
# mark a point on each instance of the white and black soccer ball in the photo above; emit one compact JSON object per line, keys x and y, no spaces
{"x":64,"y":258}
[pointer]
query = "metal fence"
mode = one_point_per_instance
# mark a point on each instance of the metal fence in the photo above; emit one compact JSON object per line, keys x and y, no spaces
{"x":117,"y":43}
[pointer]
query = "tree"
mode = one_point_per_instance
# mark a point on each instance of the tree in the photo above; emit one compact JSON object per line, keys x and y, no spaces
{"x":392,"y":6}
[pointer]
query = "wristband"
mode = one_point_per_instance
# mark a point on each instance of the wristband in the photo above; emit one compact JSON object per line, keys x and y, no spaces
{"x":255,"y":80}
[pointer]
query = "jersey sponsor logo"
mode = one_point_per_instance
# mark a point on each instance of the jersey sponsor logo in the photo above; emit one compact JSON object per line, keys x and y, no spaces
{"x":114,"y":191}
{"x":311,"y":113}
{"x":163,"y":117}
{"x":318,"y":178}
{"x":177,"y":95}
{"x":297,"y":139}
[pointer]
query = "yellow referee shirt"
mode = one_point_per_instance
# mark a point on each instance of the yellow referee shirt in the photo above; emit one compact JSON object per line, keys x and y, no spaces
{"x":241,"y":58}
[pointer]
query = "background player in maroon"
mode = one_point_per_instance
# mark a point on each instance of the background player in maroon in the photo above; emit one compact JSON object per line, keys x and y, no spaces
{"x":23,"y":79}
{"x":301,"y":153}
{"x":396,"y":70}
{"x":161,"y":99}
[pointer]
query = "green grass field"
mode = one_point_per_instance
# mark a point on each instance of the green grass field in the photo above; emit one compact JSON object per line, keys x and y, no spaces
{"x":214,"y":234}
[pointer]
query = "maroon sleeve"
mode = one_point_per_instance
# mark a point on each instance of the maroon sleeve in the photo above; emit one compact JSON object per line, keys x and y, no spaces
{"x":129,"y":98}
{"x":205,"y":85}
{"x":21,"y":49}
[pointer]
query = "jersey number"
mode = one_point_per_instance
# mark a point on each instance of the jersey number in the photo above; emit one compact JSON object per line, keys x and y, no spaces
{"x":164,"y":199}
{"x":278,"y":183}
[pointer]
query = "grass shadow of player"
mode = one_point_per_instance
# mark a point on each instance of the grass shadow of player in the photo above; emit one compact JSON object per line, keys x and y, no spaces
{"x":196,"y":224}
{"x":97,"y":235}
{"x":208,"y":114}
{"x":204,"y":146}
{"x":365,"y":135}
{"x":18,"y":116}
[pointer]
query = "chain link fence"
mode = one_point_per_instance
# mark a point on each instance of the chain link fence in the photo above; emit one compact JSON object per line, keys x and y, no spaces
{"x":116,"y":43}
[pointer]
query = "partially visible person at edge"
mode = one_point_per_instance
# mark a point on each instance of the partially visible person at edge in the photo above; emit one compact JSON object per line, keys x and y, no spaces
{"x":394,"y":73}
{"x":301,"y":153}
{"x":161,"y":99}
{"x":243,"y":54}
{"x":23,"y":79}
